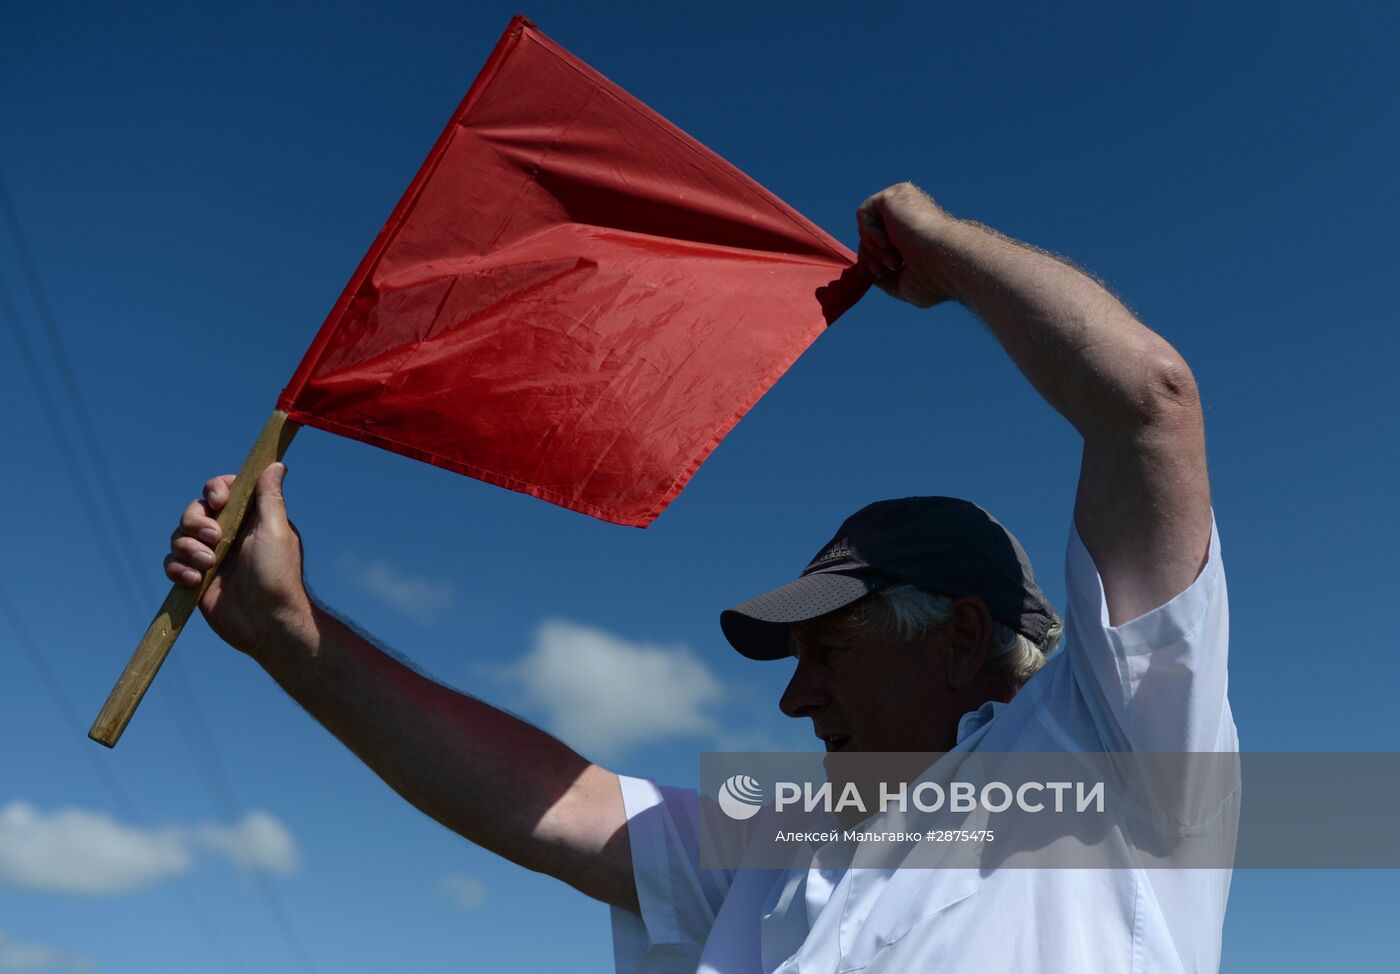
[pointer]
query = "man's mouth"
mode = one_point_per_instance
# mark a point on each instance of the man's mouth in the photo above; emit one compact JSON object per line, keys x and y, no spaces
{"x":835,"y":742}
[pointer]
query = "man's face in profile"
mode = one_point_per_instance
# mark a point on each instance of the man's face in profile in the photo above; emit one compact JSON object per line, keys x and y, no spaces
{"x":864,"y":691}
{"x":867,"y":691}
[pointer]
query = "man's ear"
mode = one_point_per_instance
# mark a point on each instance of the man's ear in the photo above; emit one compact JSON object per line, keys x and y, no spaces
{"x":969,"y":630}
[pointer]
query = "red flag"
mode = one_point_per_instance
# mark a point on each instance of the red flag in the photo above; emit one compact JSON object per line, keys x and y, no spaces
{"x":573,"y":299}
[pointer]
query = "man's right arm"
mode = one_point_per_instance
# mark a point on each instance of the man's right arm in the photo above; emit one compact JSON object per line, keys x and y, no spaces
{"x":494,"y":779}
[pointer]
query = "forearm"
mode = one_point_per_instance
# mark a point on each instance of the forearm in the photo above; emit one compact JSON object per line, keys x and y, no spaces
{"x":1143,"y":504}
{"x":1085,"y":353}
{"x":497,"y":780}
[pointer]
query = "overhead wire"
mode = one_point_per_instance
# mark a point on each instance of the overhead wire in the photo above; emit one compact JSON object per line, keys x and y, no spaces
{"x":68,"y":713}
{"x":197,"y":735}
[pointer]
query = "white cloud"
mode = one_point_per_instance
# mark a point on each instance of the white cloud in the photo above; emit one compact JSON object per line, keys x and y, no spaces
{"x":76,"y":851}
{"x":257,"y":842}
{"x":72,"y":850}
{"x":466,"y":892}
{"x":15,"y":956}
{"x":603,"y":694}
{"x":421,"y":599}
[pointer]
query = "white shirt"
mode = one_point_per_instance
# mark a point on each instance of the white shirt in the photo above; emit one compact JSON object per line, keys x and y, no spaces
{"x":1157,"y":683}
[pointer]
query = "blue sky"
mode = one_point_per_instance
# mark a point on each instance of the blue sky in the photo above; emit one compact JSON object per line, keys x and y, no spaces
{"x":198,"y":184}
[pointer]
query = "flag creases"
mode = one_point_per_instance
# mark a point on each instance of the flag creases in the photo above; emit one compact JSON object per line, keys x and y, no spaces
{"x":573,"y":299}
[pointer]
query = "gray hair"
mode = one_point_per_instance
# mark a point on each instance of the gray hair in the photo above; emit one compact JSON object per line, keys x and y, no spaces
{"x":907,"y":612}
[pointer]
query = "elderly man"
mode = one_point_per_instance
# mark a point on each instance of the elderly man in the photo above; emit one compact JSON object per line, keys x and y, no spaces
{"x":918,"y":627}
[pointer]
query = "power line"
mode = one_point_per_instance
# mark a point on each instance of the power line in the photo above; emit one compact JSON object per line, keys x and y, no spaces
{"x":69,"y":714}
{"x":48,"y":406}
{"x":198,"y":736}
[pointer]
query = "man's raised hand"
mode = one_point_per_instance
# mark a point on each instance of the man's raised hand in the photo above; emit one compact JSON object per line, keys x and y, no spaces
{"x":899,"y":232}
{"x":258,"y":593}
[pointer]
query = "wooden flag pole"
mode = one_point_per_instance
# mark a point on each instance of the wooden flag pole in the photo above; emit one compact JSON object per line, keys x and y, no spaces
{"x":180,"y":603}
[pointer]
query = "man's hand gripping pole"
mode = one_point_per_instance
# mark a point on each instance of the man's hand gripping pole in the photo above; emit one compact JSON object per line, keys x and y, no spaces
{"x":175,"y":611}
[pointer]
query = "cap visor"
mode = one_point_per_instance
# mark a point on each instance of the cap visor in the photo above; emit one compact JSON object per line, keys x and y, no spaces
{"x":759,"y":627}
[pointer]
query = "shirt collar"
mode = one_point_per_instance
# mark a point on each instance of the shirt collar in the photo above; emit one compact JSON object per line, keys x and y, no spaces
{"x":975,"y":720}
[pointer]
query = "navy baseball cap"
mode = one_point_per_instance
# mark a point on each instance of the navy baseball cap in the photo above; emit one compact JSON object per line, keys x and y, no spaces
{"x":943,"y":545}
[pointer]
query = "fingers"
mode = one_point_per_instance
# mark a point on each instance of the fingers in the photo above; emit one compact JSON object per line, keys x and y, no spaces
{"x":187,"y":562}
{"x":194,"y":540}
{"x":192,"y":543}
{"x":182,"y":574}
{"x":875,"y":266}
{"x":878,"y":254}
{"x":190,"y":552}
{"x":198,"y":522}
{"x":216,"y":491}
{"x":883,"y":279}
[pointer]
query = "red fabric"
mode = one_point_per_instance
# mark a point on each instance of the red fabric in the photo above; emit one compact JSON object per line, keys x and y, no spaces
{"x":573,"y":299}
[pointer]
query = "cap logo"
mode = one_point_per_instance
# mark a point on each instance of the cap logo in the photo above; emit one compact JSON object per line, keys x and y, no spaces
{"x":839,"y":551}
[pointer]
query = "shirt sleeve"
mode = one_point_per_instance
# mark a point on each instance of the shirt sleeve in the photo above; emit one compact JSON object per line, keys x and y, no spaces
{"x":1159,"y":681}
{"x":678,"y":900}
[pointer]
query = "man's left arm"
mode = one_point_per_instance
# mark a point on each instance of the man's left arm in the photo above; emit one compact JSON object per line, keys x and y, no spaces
{"x":1143,"y":504}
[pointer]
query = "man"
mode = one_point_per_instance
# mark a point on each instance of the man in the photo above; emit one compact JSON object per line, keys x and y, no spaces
{"x":919,"y":627}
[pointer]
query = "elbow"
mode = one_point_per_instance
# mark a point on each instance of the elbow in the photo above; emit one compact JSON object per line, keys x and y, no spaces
{"x":1170,"y":394}
{"x":1157,"y":392}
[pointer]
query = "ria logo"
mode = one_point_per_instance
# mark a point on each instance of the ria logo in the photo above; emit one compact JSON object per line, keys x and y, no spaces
{"x":740,"y":797}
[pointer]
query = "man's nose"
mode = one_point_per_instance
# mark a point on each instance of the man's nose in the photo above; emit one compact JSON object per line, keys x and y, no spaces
{"x":805,"y":693}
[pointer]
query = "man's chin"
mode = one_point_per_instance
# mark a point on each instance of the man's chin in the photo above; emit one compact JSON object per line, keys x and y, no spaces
{"x":846,"y":767}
